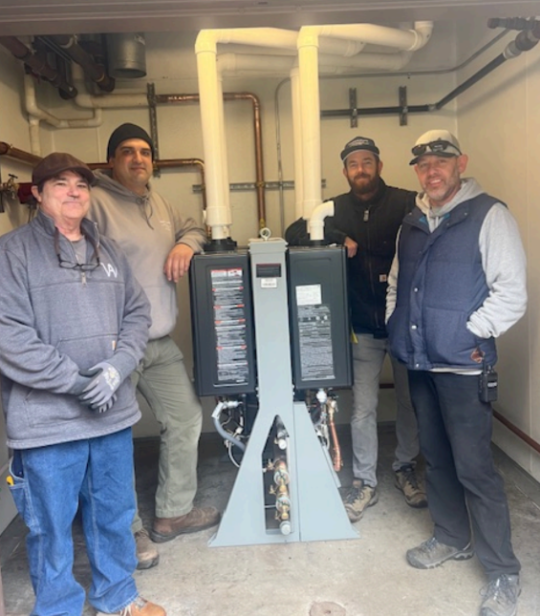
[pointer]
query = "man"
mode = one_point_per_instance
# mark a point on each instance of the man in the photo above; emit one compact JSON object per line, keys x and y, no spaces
{"x":159,"y":245}
{"x":366,"y":221}
{"x":458,"y":282}
{"x":73,"y":326}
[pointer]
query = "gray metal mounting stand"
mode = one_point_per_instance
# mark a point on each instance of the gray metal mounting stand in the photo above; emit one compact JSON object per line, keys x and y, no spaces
{"x":317,"y":512}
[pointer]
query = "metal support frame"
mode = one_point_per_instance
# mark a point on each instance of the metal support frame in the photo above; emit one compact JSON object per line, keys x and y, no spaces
{"x":317,"y":512}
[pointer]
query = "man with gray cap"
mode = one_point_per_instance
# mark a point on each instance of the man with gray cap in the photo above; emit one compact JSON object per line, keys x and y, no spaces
{"x":457,"y":283}
{"x":366,"y":221}
{"x":159,"y":244}
{"x":73,"y":326}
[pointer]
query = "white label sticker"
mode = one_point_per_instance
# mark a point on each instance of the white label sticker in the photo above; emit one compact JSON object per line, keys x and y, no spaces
{"x":308,"y":295}
{"x":268,"y":283}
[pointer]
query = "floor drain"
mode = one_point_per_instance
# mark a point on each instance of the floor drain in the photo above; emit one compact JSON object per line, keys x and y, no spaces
{"x":327,"y":608}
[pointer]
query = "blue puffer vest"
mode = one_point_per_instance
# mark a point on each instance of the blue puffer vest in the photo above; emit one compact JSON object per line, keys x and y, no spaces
{"x":441,"y":282}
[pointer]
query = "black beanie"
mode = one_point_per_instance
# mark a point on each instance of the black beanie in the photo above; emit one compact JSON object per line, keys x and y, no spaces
{"x":125,"y":132}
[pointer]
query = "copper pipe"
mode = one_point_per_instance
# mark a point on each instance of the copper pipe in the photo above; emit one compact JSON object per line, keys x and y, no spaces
{"x":505,"y":422}
{"x":259,"y":167}
{"x":257,"y":127}
{"x":20,"y":155}
{"x":168,"y":163}
{"x":337,"y":460}
{"x":517,"y":431}
{"x":37,"y":64}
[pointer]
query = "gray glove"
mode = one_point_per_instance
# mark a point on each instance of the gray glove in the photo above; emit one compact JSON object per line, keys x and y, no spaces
{"x":82,"y":380}
{"x":102,"y":387}
{"x":105,"y":407}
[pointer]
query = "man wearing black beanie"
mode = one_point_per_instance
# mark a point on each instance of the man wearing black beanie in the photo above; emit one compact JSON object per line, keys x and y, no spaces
{"x":159,"y":244}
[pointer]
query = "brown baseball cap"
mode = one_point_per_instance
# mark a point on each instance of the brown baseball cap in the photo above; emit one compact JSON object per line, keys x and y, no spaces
{"x":57,"y":162}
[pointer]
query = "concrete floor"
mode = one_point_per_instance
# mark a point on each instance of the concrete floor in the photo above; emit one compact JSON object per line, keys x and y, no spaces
{"x":364,"y":577}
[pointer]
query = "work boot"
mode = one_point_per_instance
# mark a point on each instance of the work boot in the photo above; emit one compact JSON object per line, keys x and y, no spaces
{"x":139,"y":607}
{"x":197,"y":519}
{"x":406,"y":480}
{"x":147,"y":554}
{"x":432,"y":553}
{"x":500,"y":596}
{"x":358,"y":499}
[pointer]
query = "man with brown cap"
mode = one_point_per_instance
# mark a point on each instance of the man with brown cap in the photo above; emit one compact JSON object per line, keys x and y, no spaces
{"x":159,"y":244}
{"x":73,"y":326}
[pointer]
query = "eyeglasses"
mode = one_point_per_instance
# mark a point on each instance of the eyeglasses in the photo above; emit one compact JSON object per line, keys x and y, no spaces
{"x":435,"y":147}
{"x":83,"y":267}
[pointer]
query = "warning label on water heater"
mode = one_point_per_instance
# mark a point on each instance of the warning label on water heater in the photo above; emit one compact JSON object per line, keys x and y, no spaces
{"x":230,"y":325}
{"x":315,"y":341}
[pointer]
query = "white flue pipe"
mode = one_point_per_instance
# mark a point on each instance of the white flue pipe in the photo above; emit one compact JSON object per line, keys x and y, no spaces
{"x":222,"y":144}
{"x":406,"y":40}
{"x":297,"y":143}
{"x":316,"y":220}
{"x":35,"y":142}
{"x":218,"y":216}
{"x":310,"y":115}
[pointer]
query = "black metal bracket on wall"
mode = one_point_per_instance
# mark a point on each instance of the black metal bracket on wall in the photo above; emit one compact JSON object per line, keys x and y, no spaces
{"x":152,"y":110}
{"x":402,"y":96}
{"x":353,"y":105}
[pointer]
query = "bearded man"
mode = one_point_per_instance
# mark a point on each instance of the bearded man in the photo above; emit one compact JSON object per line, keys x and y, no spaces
{"x":366,"y":221}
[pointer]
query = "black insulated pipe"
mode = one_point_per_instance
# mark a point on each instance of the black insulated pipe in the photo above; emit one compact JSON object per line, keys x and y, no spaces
{"x":38,"y":65}
{"x":524,"y":41}
{"x":96,"y":72}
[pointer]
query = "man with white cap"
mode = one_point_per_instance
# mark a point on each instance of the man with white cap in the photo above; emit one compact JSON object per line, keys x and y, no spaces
{"x":366,"y":221}
{"x":456,"y":284}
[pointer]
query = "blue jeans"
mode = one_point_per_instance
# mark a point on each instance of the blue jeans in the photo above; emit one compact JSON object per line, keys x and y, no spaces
{"x":49,"y":484}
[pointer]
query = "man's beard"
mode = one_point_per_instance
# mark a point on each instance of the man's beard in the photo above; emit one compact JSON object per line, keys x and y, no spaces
{"x":365,"y":188}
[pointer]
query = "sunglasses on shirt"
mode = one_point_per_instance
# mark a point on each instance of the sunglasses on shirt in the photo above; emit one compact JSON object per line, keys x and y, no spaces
{"x":83,"y":267}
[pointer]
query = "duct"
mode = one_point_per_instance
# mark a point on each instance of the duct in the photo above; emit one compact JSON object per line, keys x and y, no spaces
{"x":127,"y":55}
{"x":37,"y":64}
{"x":96,"y":72}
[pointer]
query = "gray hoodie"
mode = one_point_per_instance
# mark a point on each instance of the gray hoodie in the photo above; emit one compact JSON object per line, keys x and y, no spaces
{"x":147,"y":228}
{"x":503,"y":261}
{"x":57,"y":319}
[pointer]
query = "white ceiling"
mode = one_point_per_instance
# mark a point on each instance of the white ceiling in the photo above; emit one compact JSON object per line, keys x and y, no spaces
{"x":26,"y":17}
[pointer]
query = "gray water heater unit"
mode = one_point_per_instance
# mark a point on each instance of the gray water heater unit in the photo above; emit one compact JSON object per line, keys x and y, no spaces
{"x":222,"y":319}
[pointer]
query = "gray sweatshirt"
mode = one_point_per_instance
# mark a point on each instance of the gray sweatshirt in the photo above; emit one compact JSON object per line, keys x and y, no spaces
{"x":147,"y":228}
{"x":503,"y":261}
{"x":57,"y":319}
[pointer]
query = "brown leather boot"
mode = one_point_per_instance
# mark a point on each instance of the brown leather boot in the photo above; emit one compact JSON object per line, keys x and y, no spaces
{"x":197,"y":519}
{"x":147,"y":554}
{"x":139,"y":607}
